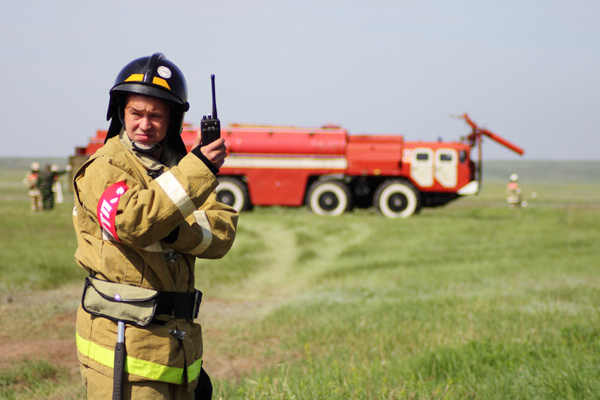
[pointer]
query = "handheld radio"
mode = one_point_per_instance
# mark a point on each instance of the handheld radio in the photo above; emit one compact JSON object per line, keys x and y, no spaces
{"x":210,"y":126}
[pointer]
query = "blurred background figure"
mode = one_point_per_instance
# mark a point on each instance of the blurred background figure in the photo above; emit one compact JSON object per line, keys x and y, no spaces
{"x":57,"y":186}
{"x":514,"y":192}
{"x":45,"y":183}
{"x":31,"y":181}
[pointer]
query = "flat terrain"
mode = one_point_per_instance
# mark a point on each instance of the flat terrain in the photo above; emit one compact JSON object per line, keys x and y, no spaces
{"x":471,"y":300}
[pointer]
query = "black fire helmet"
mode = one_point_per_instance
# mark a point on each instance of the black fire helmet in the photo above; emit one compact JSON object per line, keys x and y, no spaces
{"x":151,"y":76}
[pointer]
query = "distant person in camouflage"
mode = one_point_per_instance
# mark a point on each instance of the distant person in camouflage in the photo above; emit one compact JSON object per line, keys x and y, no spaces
{"x":45,"y":182}
{"x":513,"y":191}
{"x":31,"y":182}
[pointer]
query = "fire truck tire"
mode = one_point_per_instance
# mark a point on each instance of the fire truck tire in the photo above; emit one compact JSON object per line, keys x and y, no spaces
{"x":234,"y":193}
{"x":397,"y":199}
{"x":329,"y":198}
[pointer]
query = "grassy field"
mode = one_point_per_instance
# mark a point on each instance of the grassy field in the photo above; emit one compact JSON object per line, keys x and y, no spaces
{"x":472,"y":300}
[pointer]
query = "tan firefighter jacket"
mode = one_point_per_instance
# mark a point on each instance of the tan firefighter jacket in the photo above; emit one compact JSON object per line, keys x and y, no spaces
{"x":181,"y":197}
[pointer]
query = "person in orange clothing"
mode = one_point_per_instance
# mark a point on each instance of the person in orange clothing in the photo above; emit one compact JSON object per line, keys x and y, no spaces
{"x":513,"y":191}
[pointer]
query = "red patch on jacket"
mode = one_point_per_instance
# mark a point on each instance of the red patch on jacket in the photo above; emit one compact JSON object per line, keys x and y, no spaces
{"x":107,"y":207}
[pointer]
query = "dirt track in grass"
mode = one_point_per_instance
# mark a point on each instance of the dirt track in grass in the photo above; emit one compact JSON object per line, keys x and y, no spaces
{"x":52,"y":337}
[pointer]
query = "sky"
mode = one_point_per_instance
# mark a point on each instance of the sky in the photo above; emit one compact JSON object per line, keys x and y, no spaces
{"x":527,"y":70}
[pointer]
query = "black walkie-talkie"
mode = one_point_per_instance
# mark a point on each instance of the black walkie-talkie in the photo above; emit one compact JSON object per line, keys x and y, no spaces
{"x":211,"y":126}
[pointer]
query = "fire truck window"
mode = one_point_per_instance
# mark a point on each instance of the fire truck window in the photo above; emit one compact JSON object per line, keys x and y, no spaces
{"x":462,"y":156}
{"x":445,"y":157}
{"x":422,"y":156}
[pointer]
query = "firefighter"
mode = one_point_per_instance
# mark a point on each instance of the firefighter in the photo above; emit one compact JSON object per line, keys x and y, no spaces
{"x":144,"y":211}
{"x":45,"y":184}
{"x":31,"y":181}
{"x":514,"y":192}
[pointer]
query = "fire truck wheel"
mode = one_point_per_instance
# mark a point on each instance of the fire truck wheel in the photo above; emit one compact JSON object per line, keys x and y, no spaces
{"x":330,"y":198}
{"x":397,"y":199}
{"x":234,"y":193}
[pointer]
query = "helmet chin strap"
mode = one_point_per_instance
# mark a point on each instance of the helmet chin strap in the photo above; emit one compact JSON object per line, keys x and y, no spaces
{"x":144,"y":148}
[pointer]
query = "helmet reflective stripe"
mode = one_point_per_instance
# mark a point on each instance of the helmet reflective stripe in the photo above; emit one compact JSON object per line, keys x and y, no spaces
{"x":143,"y":368}
{"x":156,"y":80}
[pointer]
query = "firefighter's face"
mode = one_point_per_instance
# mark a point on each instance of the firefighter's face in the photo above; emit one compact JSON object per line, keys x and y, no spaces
{"x":146,"y":119}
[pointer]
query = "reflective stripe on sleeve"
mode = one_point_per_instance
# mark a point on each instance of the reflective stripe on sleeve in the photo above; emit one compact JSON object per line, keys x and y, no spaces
{"x":206,"y":231}
{"x":143,"y":368}
{"x":176,"y":193}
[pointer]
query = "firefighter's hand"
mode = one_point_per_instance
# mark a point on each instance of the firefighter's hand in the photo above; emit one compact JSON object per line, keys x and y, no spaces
{"x":215,"y":152}
{"x":198,"y":140}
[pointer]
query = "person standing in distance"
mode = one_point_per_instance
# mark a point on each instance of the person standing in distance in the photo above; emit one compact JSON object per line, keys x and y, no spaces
{"x":45,"y":182}
{"x":513,"y":192}
{"x":144,"y":211}
{"x":31,"y":182}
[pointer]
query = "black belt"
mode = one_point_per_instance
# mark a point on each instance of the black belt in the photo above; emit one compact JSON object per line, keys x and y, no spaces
{"x":179,"y":304}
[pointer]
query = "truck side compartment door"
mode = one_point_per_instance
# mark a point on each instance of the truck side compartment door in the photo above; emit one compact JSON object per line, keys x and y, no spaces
{"x":446,"y":167}
{"x":421,"y":166}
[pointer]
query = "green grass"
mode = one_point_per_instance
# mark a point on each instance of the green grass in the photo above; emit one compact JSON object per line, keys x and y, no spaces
{"x":36,"y":248}
{"x":35,"y":380}
{"x":472,"y":300}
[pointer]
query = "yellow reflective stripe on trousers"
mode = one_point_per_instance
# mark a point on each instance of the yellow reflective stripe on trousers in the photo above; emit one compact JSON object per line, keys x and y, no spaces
{"x":143,"y":368}
{"x":194,"y":370}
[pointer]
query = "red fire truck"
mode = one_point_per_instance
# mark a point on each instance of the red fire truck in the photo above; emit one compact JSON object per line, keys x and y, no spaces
{"x":331,"y":171}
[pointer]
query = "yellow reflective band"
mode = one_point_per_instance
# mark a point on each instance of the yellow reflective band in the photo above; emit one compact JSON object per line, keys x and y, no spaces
{"x":161,"y":82}
{"x":156,"y":80}
{"x":135,"y":77}
{"x":194,"y":370}
{"x":143,"y":368}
